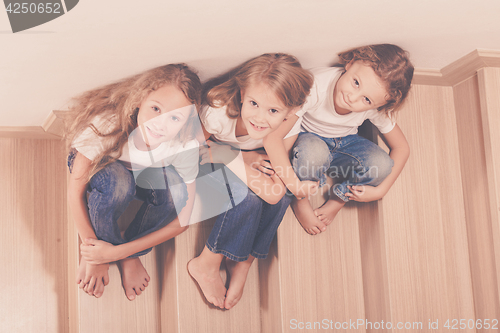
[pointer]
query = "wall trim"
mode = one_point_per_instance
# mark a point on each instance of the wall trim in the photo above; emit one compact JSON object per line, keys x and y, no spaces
{"x":54,"y":123}
{"x":26,"y":132}
{"x":52,"y":128}
{"x":459,"y":70}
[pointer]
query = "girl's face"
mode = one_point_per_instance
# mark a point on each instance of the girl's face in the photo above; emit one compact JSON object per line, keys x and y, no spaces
{"x":161,"y":116}
{"x":359,"y":89}
{"x":261,"y":111}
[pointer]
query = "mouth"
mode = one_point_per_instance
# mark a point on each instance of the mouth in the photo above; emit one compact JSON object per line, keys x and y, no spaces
{"x":257,"y":128}
{"x":153,"y":134}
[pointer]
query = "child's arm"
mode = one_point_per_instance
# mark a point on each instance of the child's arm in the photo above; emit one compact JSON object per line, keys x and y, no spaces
{"x":95,"y":275}
{"x":278,"y":148}
{"x":400,"y":151}
{"x":268,"y":187}
{"x":98,"y":251}
{"x":77,"y":196}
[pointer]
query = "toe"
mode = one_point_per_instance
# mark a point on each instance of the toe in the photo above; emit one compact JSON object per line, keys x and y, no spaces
{"x":131,"y":296}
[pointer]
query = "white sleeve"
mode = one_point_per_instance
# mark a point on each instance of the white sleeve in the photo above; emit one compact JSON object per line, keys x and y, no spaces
{"x":186,"y":162}
{"x":383,"y":122}
{"x":212,"y":120}
{"x":89,"y":143}
{"x":296,"y":127}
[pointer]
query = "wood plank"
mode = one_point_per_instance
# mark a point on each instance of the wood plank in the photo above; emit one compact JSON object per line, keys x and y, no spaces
{"x":321,"y":275}
{"x":489,"y":96}
{"x":424,"y":217}
{"x":477,"y":205}
{"x":194,"y":313}
{"x":33,"y":241}
{"x":373,"y":250}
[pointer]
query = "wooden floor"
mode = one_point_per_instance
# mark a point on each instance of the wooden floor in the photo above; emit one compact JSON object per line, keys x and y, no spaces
{"x":426,"y":254}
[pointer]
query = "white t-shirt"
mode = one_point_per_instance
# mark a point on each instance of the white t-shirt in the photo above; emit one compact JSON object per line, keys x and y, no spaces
{"x":223,"y":128}
{"x":184,"y":158}
{"x":320,"y":116}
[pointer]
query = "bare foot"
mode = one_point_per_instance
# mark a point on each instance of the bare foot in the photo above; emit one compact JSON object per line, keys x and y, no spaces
{"x":206,"y":273}
{"x":134,"y":277}
{"x":306,"y":216}
{"x":238,"y":272}
{"x":329,"y":210}
{"x":92,"y":278}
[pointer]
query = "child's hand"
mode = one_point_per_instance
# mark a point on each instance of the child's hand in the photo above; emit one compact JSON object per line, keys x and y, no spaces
{"x":305,"y":189}
{"x":96,"y":277}
{"x":215,"y":152}
{"x":97,"y":252}
{"x":364,"y":193}
{"x":258,"y":161}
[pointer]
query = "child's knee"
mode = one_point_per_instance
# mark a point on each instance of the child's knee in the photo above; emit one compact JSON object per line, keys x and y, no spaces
{"x":114,"y":181}
{"x":311,"y":157}
{"x":379,"y":166}
{"x":179,"y":195}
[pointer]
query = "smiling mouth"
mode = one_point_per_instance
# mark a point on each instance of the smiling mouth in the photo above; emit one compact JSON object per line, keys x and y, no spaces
{"x":153,"y":133}
{"x":257,"y":128}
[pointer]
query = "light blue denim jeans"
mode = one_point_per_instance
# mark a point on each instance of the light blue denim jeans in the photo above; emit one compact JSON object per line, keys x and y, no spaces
{"x":247,"y":224}
{"x":114,"y":187}
{"x":350,"y":160}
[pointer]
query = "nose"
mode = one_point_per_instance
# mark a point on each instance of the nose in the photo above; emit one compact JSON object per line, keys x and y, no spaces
{"x":353,"y":97}
{"x":260,"y":115}
{"x":159,"y":122}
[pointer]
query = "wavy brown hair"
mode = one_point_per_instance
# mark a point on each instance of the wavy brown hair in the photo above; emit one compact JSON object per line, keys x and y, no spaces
{"x":391,"y":63}
{"x":281,"y":72}
{"x":121,"y":100}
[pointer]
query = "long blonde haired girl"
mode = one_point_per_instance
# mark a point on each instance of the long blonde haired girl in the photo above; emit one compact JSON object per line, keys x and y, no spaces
{"x":132,"y":139}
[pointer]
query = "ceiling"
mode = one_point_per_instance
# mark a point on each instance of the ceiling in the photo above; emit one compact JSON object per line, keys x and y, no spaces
{"x":101,"y":41}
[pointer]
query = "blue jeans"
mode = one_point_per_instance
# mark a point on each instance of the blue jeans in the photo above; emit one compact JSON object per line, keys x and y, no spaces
{"x":247,"y":224}
{"x":114,"y":187}
{"x":353,"y":160}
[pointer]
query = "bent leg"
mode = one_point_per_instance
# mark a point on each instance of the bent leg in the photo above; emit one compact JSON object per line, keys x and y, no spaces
{"x":111,"y":191}
{"x":164,"y":194}
{"x":360,"y":162}
{"x":311,"y":160}
{"x":357,"y":161}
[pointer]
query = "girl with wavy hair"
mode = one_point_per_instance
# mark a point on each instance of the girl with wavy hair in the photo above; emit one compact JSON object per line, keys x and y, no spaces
{"x":132,"y":139}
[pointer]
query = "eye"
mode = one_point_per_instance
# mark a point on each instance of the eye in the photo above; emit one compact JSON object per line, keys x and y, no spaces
{"x":253,"y":103}
{"x":156,"y":109}
{"x":273,"y":111}
{"x":367,"y":100}
{"x":356,"y":83}
{"x":174,"y":118}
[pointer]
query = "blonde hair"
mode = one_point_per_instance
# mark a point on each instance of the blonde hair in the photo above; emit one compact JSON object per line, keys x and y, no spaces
{"x":391,"y":63}
{"x":282,"y":73}
{"x":121,"y":101}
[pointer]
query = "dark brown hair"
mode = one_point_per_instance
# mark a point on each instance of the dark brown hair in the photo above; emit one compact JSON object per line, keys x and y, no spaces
{"x":391,"y":63}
